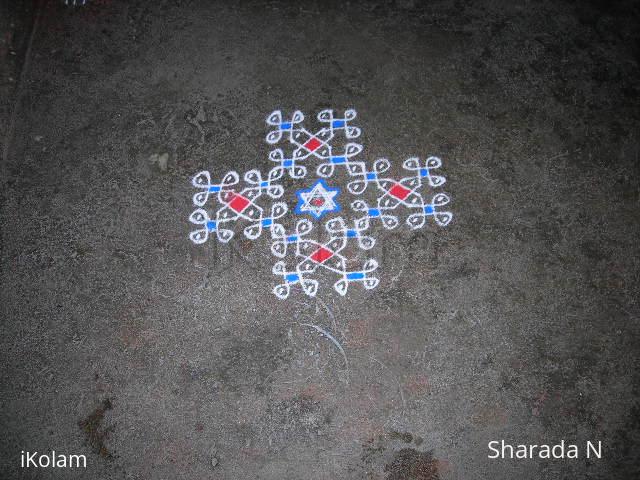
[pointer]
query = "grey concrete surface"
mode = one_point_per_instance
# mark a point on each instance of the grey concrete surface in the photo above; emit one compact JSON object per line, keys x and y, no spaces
{"x":123,"y":341}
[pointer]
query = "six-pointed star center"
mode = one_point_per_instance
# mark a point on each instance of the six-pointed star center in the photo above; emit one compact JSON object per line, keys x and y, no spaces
{"x":317,"y":200}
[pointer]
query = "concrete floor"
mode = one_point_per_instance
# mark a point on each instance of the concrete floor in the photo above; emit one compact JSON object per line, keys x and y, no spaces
{"x":123,"y":341}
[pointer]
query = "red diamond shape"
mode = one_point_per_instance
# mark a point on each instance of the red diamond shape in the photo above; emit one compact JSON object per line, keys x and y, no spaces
{"x":399,"y":191}
{"x":317,"y":202}
{"x":321,"y":255}
{"x":312,"y":144}
{"x":238,"y":203}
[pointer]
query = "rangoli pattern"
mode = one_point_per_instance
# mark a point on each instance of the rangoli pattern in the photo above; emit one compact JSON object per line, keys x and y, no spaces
{"x":257,"y":203}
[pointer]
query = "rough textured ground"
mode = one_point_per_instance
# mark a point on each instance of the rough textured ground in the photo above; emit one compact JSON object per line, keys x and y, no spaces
{"x":122,"y":340}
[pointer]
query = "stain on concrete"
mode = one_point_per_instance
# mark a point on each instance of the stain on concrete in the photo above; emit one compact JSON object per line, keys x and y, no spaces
{"x":410,"y":464}
{"x":406,"y":437}
{"x":372,"y":448}
{"x":95,"y":433}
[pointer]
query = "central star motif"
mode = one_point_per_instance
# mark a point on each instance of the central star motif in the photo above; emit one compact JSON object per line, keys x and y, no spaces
{"x":317,"y":200}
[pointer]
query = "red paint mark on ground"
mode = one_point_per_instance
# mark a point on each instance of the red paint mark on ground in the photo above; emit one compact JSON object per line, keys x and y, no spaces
{"x":321,"y":255}
{"x":238,"y":202}
{"x":312,"y":144}
{"x":399,"y":191}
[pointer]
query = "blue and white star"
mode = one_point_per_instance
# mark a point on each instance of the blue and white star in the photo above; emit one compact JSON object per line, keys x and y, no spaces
{"x":317,"y":200}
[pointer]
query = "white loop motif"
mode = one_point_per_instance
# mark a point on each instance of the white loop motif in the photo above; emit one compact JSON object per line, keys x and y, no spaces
{"x":252,"y":202}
